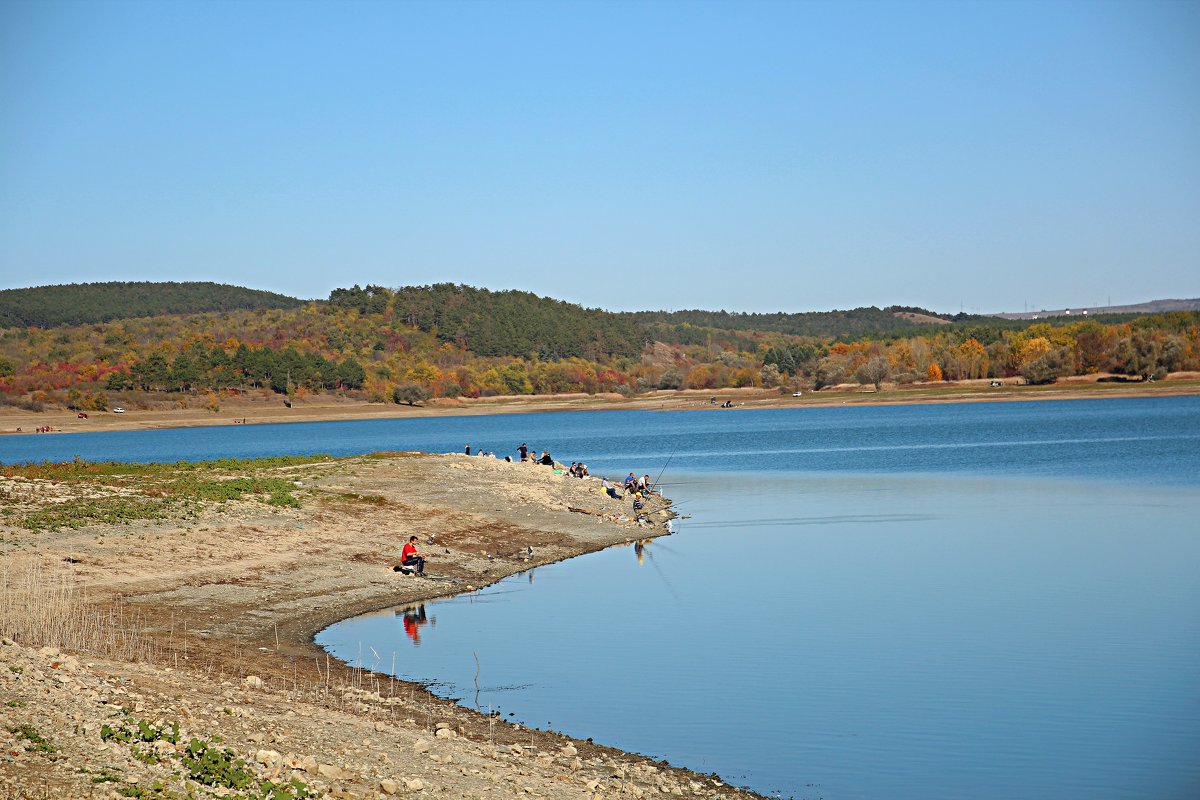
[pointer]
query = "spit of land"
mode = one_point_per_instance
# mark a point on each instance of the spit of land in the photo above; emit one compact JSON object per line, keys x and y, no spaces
{"x":157,"y":629}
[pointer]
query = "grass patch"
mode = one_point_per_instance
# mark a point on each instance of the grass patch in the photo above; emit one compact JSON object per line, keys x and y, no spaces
{"x":74,"y":494}
{"x":36,"y":742}
{"x":377,"y":500}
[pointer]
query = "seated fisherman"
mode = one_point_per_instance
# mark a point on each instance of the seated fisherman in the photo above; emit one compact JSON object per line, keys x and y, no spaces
{"x":409,"y":557}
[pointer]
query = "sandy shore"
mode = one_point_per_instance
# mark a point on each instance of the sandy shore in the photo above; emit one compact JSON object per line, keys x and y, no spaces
{"x":246,"y":410}
{"x":208,"y":621}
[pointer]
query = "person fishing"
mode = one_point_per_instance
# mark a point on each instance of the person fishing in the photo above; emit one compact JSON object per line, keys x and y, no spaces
{"x":409,"y":557}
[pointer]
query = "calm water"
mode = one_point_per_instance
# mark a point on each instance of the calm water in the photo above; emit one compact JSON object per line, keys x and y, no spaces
{"x":984,"y":601}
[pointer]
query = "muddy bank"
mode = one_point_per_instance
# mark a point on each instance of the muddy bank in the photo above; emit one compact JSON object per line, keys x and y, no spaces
{"x":207,"y":621}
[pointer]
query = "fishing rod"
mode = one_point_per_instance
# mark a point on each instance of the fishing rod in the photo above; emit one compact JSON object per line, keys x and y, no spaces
{"x":664,"y":469}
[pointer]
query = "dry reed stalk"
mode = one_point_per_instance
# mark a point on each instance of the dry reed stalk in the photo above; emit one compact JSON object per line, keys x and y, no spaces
{"x":39,"y":609}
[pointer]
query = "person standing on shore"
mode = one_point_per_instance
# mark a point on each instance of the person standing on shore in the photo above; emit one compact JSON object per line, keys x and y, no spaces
{"x":524,"y":451}
{"x":409,"y":557}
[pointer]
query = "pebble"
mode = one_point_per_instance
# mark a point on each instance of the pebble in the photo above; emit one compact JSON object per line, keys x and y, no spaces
{"x":330,"y":771}
{"x":268,"y":757}
{"x":421,"y":746}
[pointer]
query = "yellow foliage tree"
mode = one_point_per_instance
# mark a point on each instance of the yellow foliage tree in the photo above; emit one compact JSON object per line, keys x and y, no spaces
{"x":1033,"y":349}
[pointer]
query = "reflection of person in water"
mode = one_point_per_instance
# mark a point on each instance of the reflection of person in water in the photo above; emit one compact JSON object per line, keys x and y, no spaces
{"x":414,"y":618}
{"x":639,"y":550}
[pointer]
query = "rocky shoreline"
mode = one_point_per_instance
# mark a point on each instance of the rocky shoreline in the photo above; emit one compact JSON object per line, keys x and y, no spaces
{"x":194,"y":673}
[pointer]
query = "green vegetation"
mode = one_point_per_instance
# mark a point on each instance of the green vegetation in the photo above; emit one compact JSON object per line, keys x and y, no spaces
{"x":685,"y":327}
{"x":202,"y":760}
{"x":132,"y":731}
{"x":501,"y":323}
{"x":119,"y":493}
{"x":208,"y":763}
{"x":36,"y":742}
{"x":78,"y":304}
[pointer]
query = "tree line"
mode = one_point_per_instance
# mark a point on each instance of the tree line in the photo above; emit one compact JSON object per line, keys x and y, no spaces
{"x":404,"y":345}
{"x":78,"y":304}
{"x":509,"y":323}
{"x":201,"y":367}
{"x":1151,"y":346}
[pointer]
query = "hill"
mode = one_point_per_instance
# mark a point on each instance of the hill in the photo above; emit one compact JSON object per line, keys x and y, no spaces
{"x":1151,"y":307}
{"x":86,"y":303}
{"x":510,"y":323}
{"x":406,"y":344}
{"x":852,"y":324}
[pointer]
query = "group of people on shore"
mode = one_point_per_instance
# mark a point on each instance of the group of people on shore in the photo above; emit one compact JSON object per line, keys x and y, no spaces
{"x":524,"y":454}
{"x":411,"y":560}
{"x":639,"y":488}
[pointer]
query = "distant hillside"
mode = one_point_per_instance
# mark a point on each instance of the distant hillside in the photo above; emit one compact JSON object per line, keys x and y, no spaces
{"x":447,"y":341}
{"x":86,"y":303}
{"x":509,"y":323}
{"x":1152,"y":307}
{"x":853,"y":324}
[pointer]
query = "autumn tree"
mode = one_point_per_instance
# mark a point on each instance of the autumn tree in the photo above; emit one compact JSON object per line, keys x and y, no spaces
{"x":409,"y":394}
{"x":1048,"y":367}
{"x":875,"y":372}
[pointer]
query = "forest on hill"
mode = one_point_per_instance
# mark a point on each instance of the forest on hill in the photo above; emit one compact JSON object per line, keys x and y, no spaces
{"x":81,"y":303}
{"x":508,"y":323}
{"x":411,"y":343}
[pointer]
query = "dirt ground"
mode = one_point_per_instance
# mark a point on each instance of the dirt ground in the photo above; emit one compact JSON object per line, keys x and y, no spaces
{"x":253,"y":409}
{"x":209,"y":620}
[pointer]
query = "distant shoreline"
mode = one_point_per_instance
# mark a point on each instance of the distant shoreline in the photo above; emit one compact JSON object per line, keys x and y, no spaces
{"x":322,"y":408}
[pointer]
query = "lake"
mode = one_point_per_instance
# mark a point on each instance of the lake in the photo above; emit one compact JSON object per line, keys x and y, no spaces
{"x":983,"y":600}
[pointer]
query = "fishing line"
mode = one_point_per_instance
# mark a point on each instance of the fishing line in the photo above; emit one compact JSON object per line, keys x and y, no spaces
{"x":664,"y":469}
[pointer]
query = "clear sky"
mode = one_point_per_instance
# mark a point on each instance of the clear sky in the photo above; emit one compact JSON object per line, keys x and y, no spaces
{"x":751,"y":156}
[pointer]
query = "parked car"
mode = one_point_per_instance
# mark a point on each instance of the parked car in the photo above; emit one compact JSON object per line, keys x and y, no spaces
{"x":118,"y":410}
{"x":81,"y":415}
{"x":797,"y":394}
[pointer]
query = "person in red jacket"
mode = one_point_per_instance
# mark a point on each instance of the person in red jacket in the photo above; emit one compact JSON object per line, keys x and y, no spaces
{"x":409,"y":557}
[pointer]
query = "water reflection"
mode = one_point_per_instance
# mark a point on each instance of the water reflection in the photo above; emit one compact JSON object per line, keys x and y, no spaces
{"x":412,"y":619}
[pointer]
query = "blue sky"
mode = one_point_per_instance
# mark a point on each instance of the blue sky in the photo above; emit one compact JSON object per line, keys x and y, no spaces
{"x":751,"y":156}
